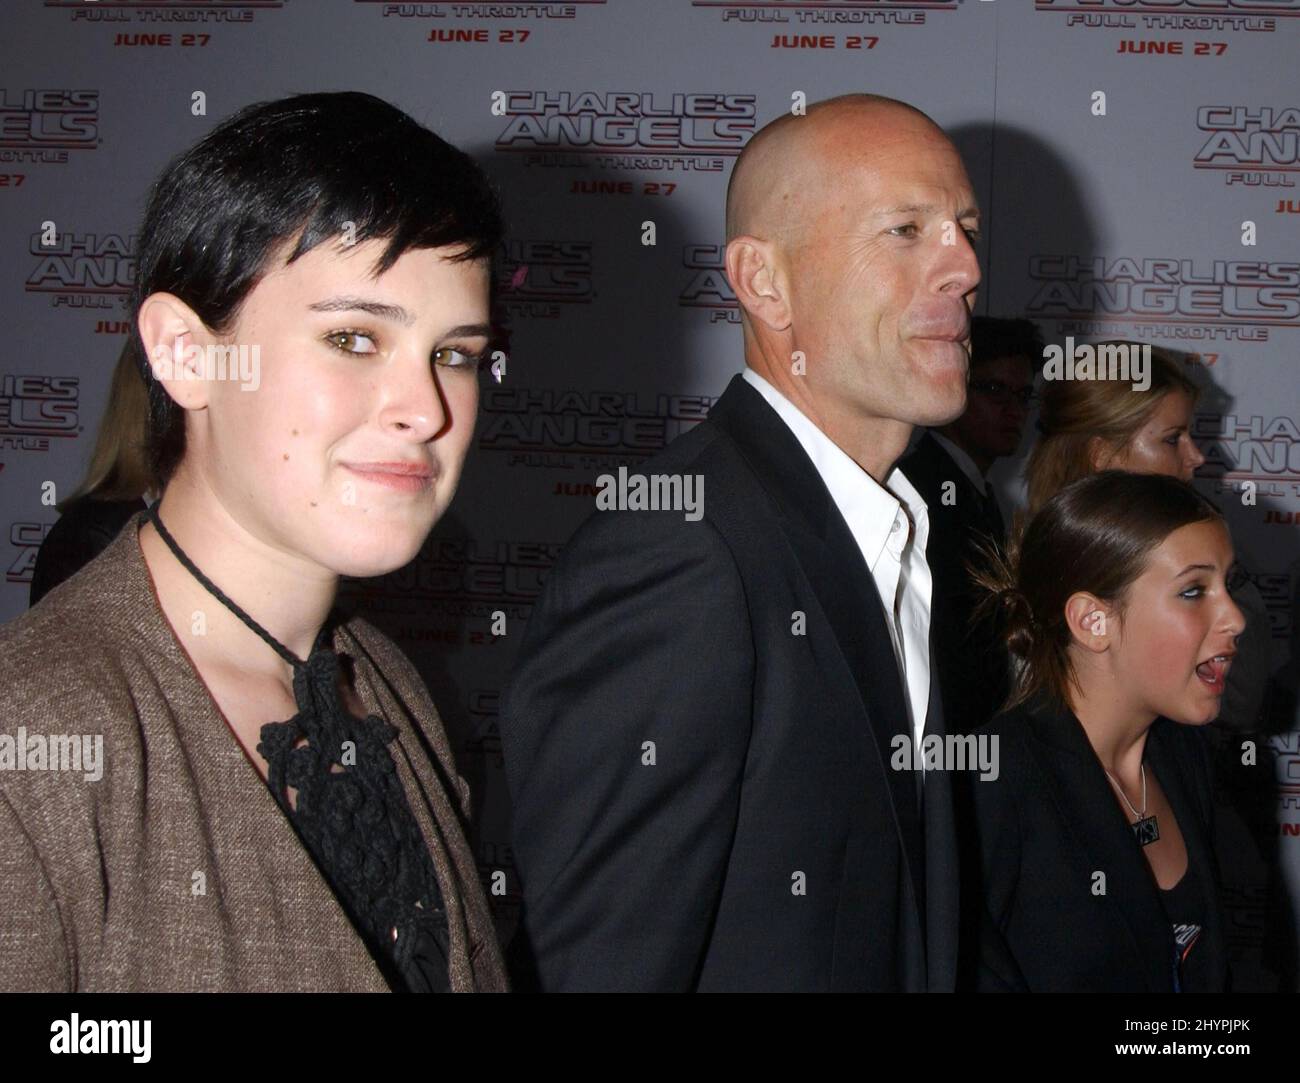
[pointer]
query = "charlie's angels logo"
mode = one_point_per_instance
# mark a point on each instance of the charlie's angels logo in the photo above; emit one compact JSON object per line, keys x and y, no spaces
{"x":625,"y":129}
{"x":43,"y":125}
{"x":1254,"y":145}
{"x":35,"y":408}
{"x":81,"y":270}
{"x":459,"y":578}
{"x":535,"y":277}
{"x":583,"y":429}
{"x":25,"y":542}
{"x":1185,"y":298}
{"x":706,"y":286}
{"x":1250,"y":447}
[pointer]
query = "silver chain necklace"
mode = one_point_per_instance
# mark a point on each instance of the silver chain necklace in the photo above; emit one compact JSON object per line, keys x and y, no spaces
{"x":1146,"y":830}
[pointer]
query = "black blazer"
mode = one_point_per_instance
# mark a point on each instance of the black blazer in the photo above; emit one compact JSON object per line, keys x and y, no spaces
{"x":972,"y":667}
{"x":702,"y":797}
{"x":1047,"y":824}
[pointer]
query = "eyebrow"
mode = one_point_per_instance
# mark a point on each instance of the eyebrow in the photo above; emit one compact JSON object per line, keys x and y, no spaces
{"x":396,"y":313}
{"x":470,"y":330}
{"x":924,"y":208}
{"x":1195,"y":568}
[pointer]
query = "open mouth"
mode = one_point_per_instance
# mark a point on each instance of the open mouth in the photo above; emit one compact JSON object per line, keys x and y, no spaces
{"x":1214,"y":671}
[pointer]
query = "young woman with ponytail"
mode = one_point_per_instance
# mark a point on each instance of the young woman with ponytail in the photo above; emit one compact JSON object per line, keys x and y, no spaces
{"x":1094,"y":838}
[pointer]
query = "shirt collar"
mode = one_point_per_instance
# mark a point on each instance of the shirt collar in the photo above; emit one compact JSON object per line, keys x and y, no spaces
{"x":868,"y":507}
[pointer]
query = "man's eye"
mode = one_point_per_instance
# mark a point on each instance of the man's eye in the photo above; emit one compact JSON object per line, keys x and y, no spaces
{"x":452,"y":358}
{"x":347,"y":341}
{"x":910,"y":225}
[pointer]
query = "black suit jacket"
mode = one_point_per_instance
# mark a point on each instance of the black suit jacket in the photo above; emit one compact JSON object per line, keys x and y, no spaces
{"x":972,"y":667}
{"x":702,"y":798}
{"x":1047,"y":824}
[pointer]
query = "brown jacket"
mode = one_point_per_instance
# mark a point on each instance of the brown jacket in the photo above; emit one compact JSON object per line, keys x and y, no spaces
{"x":176,"y":870}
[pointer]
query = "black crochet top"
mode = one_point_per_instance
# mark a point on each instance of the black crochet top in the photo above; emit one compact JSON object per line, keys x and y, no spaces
{"x":353,"y":817}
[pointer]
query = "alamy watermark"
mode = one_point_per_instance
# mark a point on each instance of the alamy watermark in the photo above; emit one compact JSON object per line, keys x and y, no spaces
{"x":25,"y":751}
{"x":651,"y":492}
{"x":947,"y":752}
{"x":1103,"y":361}
{"x":239,"y":364}
{"x":113,"y":1036}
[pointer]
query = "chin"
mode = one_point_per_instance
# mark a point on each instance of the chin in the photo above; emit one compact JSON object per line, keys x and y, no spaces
{"x":1201,"y":712}
{"x":942,"y":405}
{"x":369,"y":558}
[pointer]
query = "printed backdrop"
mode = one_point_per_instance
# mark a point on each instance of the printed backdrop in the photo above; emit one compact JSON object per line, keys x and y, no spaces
{"x":1137,"y":162}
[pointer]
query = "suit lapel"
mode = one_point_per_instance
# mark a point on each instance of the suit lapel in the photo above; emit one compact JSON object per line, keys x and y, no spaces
{"x":841,"y":582}
{"x":1095,"y":821}
{"x":941,"y":860}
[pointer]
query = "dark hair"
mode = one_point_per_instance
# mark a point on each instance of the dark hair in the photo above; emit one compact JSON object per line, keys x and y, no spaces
{"x":992,"y":337}
{"x":309,"y":166}
{"x":1095,"y":535}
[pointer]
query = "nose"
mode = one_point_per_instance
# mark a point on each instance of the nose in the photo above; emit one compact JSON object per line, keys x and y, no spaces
{"x":1233,"y":620}
{"x":1193,"y":456}
{"x":414,"y":407}
{"x":959,"y":267}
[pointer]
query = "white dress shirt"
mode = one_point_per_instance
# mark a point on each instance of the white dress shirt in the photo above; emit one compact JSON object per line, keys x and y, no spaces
{"x":891,"y":524}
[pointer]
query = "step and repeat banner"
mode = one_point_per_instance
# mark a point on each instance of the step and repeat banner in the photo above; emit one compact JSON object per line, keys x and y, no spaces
{"x":1137,"y":163}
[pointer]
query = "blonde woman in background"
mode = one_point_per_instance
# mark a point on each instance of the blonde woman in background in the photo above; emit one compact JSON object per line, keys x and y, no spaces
{"x":118,"y":483}
{"x":1091,"y":425}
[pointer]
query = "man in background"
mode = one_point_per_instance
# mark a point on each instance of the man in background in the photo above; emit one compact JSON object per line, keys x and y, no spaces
{"x":949,"y":467}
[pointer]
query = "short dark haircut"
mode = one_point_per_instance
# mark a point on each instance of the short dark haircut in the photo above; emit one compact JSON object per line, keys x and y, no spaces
{"x":308,"y":166}
{"x":992,"y":337}
{"x":1095,"y":535}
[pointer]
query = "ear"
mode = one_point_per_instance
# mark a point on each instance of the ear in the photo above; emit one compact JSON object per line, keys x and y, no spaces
{"x":174,"y":337}
{"x":1102,"y":454}
{"x":757,"y":278}
{"x":1090,"y":620}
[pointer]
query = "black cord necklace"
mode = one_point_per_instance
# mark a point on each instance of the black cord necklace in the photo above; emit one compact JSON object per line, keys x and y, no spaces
{"x":350,"y":808}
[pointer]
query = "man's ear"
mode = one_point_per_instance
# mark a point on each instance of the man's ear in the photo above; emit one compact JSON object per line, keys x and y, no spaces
{"x":755,"y":272}
{"x":174,"y":338}
{"x":1090,"y":620}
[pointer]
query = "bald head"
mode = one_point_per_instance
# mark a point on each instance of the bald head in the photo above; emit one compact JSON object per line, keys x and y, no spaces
{"x":850,"y":249}
{"x":789,"y":169}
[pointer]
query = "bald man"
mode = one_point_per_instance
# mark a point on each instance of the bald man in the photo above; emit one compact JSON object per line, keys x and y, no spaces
{"x":710,"y":736}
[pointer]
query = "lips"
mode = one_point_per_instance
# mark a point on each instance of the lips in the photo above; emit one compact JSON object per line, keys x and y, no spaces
{"x":403,"y":476}
{"x":1213,"y":672}
{"x":946,"y":327}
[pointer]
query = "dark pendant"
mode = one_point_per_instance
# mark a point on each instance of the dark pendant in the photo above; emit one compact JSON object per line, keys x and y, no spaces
{"x":1146,"y":831}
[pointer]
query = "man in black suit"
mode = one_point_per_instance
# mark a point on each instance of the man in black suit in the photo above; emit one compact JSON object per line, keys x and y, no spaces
{"x":703,"y":733}
{"x":949,"y":467}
